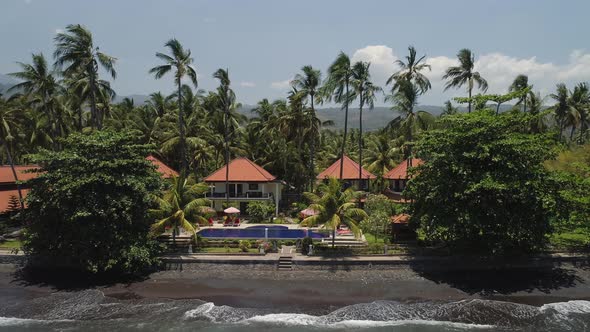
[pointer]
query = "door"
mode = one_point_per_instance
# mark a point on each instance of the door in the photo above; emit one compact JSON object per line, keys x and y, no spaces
{"x":240,"y":188}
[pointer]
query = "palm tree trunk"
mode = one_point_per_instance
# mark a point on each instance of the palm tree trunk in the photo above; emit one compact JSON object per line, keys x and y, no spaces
{"x":572,"y":132}
{"x":497,"y":108}
{"x":18,"y":188}
{"x":524,"y":104}
{"x":469,"y":109}
{"x":312,"y":150}
{"x":360,"y":140}
{"x":226,"y":139}
{"x":181,"y":131}
{"x":345,"y":131}
{"x":93,"y":109}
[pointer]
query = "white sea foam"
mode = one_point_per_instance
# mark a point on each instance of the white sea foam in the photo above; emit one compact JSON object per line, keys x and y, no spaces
{"x":13,"y":321}
{"x":570,"y":307}
{"x":201,"y":311}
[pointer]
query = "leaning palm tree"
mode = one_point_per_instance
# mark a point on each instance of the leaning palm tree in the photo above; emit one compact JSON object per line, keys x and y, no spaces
{"x":308,"y":85}
{"x":366,"y":91}
{"x":334,"y":207}
{"x":180,"y":61}
{"x":75,"y":51}
{"x":181,"y":206}
{"x":337,"y":87}
{"x":411,"y":71}
{"x":458,"y":76}
{"x":520,"y":83}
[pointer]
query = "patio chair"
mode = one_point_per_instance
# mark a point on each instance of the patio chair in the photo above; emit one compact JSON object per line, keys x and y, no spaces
{"x":237,"y":222}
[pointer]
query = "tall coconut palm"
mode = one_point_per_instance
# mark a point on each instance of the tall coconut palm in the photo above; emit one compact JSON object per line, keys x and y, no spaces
{"x":180,"y":61}
{"x":535,"y":105}
{"x":38,"y":81}
{"x":458,"y":76}
{"x":561,"y":107}
{"x":334,"y":206}
{"x":579,"y":104}
{"x":520,"y":83}
{"x":405,"y":101}
{"x":226,"y":100}
{"x":75,"y":50}
{"x":366,"y":92}
{"x":8,"y":127}
{"x":181,"y":206}
{"x":411,"y":71}
{"x":337,"y":87}
{"x":308,"y":84}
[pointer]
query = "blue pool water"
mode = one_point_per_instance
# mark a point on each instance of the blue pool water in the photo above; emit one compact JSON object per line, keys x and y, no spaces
{"x":258,"y":232}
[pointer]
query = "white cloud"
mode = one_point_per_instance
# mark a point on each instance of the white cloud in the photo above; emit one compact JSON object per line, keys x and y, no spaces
{"x":247,"y":84}
{"x":281,"y":85}
{"x":382,"y":61}
{"x":497,"y":68}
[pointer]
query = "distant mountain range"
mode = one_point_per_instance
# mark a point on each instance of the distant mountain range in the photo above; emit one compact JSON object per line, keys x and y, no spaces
{"x":372,"y":119}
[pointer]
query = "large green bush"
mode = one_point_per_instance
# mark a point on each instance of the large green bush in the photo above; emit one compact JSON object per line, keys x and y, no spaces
{"x":260,"y":211}
{"x":483,"y":186}
{"x":87,"y":209}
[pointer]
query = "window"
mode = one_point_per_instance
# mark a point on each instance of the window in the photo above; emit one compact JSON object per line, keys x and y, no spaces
{"x":253,"y":186}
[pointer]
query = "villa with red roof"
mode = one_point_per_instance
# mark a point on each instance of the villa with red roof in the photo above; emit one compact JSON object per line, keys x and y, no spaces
{"x":8,"y":188}
{"x":247,"y":182}
{"x":398,"y":176}
{"x":350,"y":173}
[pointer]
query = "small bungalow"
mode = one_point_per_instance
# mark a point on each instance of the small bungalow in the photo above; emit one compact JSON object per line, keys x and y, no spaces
{"x":247,"y":182}
{"x":350,"y":173}
{"x":398,"y":178}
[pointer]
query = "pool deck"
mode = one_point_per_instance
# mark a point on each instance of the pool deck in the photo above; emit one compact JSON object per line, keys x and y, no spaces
{"x":243,"y":226}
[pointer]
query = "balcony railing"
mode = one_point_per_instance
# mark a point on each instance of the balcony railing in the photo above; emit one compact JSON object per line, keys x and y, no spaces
{"x":246,"y":195}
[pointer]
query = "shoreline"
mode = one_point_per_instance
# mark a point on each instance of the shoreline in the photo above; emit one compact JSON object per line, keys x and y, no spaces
{"x":332,"y":286}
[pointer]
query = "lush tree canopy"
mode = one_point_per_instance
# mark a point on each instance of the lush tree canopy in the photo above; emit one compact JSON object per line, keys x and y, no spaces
{"x":88,"y":207}
{"x":484,"y":185}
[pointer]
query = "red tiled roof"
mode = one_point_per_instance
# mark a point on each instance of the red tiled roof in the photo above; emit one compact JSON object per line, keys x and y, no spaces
{"x":162,"y":168}
{"x":350,"y":171}
{"x":6,"y":175}
{"x":5,"y":197}
{"x":400,"y":219}
{"x":241,"y":170}
{"x":401,"y":170}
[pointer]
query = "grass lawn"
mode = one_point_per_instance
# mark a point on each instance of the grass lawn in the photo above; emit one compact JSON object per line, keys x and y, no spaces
{"x":10,"y":244}
{"x":576,"y":239}
{"x":226,"y":250}
{"x":372,"y":239}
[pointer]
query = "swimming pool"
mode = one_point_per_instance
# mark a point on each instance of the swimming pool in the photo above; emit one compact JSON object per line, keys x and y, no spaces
{"x":259,"y":232}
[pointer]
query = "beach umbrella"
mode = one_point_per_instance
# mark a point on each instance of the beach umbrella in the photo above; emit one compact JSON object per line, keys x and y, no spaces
{"x":231,"y":210}
{"x":309,"y":212}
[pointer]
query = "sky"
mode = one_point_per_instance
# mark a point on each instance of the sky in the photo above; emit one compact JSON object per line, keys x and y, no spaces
{"x":265,"y":43}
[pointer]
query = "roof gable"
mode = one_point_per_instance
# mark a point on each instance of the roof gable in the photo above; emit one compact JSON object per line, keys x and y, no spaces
{"x":400,"y":172}
{"x":350,"y":170}
{"x":162,"y":168}
{"x":241,"y":170}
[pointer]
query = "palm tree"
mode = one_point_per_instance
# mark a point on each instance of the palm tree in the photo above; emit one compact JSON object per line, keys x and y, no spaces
{"x":463,"y":74}
{"x":181,"y":61}
{"x":561,"y":107}
{"x":226,"y":100}
{"x":8,"y":128}
{"x":411,"y":71}
{"x":337,"y":87}
{"x":76,"y":51}
{"x":535,"y":102}
{"x":449,"y":109}
{"x":405,"y":101}
{"x":520,"y":83}
{"x":334,"y":206}
{"x":579,"y":102}
{"x":382,"y":155}
{"x":181,"y":206}
{"x":308,"y":84}
{"x":38,"y":82}
{"x":366,"y":91}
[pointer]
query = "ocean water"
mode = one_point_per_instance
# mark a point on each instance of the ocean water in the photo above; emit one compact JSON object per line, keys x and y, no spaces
{"x":90,"y":310}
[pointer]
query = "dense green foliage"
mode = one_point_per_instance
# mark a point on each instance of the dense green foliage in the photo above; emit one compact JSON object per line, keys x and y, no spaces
{"x":260,"y":211}
{"x":88,"y":208}
{"x":484,"y":185}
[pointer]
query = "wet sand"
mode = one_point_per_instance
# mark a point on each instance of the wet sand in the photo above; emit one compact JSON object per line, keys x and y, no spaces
{"x":303,"y":290}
